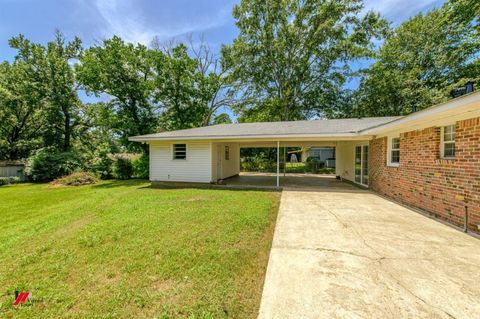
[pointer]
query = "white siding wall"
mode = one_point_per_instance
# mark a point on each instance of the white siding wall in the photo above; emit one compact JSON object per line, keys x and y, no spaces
{"x":196,"y":168}
{"x":227,"y":168}
{"x":345,"y":160}
{"x":8,"y":171}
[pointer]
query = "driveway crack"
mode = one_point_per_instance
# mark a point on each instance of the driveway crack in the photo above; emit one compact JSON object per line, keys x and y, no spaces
{"x":329,"y":250}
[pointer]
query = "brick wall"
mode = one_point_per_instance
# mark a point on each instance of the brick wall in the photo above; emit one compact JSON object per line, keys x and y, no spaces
{"x":440,"y":187}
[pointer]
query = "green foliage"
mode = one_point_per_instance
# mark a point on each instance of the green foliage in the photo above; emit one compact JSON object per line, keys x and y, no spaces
{"x":49,"y":164}
{"x":124,"y":72}
{"x":22,"y":108}
{"x":222,"y":118}
{"x":291,"y":57}
{"x":419,"y":64}
{"x":51,"y":66}
{"x":141,"y":167}
{"x":102,"y":164}
{"x":123,"y":168}
{"x":9,"y":180}
{"x":76,"y":179}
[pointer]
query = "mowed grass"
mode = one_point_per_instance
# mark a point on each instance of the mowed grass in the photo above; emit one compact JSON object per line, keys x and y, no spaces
{"x":125,"y":250}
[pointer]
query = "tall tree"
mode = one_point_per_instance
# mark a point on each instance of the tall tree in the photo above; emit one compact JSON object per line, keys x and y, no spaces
{"x":291,"y":57}
{"x":177,"y":90}
{"x":53,"y":64}
{"x":124,"y":72}
{"x":22,"y":110}
{"x":419,"y":64}
{"x":191,"y":84}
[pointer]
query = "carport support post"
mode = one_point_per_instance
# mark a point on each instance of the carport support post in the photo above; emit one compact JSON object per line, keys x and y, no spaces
{"x":278,"y":163}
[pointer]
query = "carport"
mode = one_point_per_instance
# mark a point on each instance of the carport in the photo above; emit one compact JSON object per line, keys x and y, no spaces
{"x":211,"y":154}
{"x":351,"y":155}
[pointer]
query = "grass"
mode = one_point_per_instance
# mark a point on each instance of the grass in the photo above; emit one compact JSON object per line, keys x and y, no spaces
{"x":303,"y":168}
{"x":125,"y":250}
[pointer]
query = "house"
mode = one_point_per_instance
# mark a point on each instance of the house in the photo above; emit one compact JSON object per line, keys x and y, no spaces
{"x":429,"y":159}
{"x":325,"y":155}
{"x":12,"y":168}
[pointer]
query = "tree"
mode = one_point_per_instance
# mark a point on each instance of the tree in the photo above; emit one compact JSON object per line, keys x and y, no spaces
{"x":419,"y":64}
{"x":222,"y":118}
{"x":124,"y":72}
{"x":465,"y":10}
{"x":178,"y":90}
{"x":52,"y":65}
{"x":22,"y":110}
{"x":191,"y":85}
{"x":291,"y":57}
{"x":214,"y":82}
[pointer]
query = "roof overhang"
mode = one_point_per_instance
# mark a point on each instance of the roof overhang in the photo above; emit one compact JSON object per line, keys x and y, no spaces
{"x":258,"y":138}
{"x":464,"y":107}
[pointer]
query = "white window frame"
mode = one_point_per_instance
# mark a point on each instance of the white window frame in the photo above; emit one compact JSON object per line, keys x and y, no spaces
{"x":390,"y":150}
{"x":174,"y":152}
{"x":443,"y":142}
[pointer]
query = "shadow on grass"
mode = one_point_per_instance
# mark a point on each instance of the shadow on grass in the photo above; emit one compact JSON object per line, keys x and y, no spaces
{"x":123,"y":183}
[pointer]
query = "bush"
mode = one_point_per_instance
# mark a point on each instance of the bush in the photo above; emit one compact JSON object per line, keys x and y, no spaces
{"x":9,"y":180}
{"x":76,"y":179}
{"x":47,"y":165}
{"x":141,"y":167}
{"x":123,"y":169}
{"x":102,"y":166}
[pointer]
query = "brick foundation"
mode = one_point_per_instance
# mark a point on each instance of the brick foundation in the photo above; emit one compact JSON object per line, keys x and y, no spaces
{"x":440,"y":187}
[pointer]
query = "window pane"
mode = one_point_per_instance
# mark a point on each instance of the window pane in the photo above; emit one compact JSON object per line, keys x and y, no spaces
{"x":449,"y":150}
{"x":179,"y":151}
{"x":449,"y":133}
{"x":227,"y":153}
{"x":358,"y":164}
{"x":395,"y":157}
{"x":395,"y":143}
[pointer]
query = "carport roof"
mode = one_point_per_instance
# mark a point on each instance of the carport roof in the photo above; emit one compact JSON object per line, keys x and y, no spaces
{"x":336,"y":127}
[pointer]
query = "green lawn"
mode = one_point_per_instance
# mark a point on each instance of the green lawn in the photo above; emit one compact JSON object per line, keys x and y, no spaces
{"x":125,"y":250}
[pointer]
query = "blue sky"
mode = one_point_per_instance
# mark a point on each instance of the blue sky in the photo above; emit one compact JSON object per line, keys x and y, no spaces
{"x":141,"y":20}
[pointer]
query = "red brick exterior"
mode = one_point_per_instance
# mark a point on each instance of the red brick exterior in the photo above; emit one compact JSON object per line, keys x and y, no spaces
{"x":440,"y":187}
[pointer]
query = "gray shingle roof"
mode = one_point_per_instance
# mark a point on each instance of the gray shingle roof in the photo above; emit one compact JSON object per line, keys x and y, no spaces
{"x":245,"y":130}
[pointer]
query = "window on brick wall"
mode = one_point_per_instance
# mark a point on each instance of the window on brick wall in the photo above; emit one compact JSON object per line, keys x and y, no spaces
{"x":394,"y":151}
{"x":447,"y":146}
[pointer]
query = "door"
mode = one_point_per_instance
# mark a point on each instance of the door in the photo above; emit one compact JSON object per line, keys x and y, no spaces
{"x":361,"y":164}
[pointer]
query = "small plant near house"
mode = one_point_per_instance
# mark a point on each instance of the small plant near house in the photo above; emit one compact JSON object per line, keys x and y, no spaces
{"x":75,"y":179}
{"x":102,"y":165}
{"x":141,"y":167}
{"x":123,"y":168}
{"x":9,"y":180}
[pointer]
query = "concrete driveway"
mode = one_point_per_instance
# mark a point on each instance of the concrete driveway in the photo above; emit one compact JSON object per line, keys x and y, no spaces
{"x":353,"y":254}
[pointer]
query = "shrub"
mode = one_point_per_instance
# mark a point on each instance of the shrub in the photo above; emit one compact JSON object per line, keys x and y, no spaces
{"x":103,"y":166}
{"x":123,"y":169}
{"x":141,"y":166}
{"x":47,"y":164}
{"x":9,"y":180}
{"x":76,"y":179}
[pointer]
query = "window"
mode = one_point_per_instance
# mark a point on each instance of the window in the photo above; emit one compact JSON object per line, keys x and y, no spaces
{"x":227,"y":153}
{"x":447,"y":146}
{"x":395,"y":151}
{"x":180,"y":151}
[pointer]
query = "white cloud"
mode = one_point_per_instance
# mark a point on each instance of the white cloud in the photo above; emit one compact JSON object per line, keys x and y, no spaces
{"x":127,"y":20}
